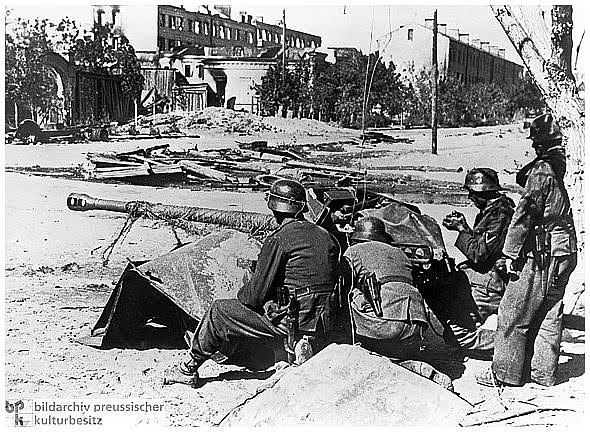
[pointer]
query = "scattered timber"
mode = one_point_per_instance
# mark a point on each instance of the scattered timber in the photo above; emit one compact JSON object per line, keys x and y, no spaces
{"x":195,"y":168}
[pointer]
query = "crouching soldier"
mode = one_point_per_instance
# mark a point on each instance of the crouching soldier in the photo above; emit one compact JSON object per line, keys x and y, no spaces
{"x":297,"y":270}
{"x":387,"y":311}
{"x":478,"y":289}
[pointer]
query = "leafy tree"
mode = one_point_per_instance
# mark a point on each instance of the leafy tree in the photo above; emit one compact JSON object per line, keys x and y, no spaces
{"x":335,"y":91}
{"x":94,"y":52}
{"x":29,"y":83}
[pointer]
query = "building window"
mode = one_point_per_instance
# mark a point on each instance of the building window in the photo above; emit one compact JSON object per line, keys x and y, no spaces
{"x":191,"y":25}
{"x":187,"y":71}
{"x":99,"y":15}
{"x":179,"y":23}
{"x":162,"y":20}
{"x":410,"y":34}
{"x":238,"y":51}
{"x":206,"y":28}
{"x":238,"y":34}
{"x":250,"y":38}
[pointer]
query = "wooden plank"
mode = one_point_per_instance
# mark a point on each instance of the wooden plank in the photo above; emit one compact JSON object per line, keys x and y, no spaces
{"x":195,"y":168}
{"x":110,"y":160}
{"x":120,"y":173}
{"x":146,"y":160}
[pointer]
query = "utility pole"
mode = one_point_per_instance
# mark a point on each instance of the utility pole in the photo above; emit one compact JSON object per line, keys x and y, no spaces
{"x":434,"y":113}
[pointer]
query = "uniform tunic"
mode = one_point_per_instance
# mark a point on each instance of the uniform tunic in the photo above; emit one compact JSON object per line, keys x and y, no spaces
{"x":530,"y":315}
{"x":471,"y":295}
{"x":398,"y":333}
{"x":299,"y":256}
{"x":483,"y":247}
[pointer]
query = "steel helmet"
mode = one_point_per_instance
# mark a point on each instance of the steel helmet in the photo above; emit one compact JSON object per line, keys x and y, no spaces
{"x":287,"y":196}
{"x":370,"y":228}
{"x":482,"y":180}
{"x":544,"y":129}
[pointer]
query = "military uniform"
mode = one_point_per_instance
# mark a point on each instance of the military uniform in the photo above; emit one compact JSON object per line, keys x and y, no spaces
{"x":530,"y":315}
{"x":466,"y":298}
{"x":301,"y":258}
{"x":398,"y":333}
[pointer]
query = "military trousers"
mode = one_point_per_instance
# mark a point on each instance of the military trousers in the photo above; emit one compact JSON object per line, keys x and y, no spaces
{"x":528,"y":337}
{"x":229,"y":324}
{"x":462,"y":303}
{"x":404,"y":342}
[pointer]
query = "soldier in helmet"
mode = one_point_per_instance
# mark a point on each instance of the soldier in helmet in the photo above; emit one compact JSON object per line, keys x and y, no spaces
{"x":298,"y":262}
{"x":477,"y":296}
{"x":541,"y":246}
{"x":387,"y":310}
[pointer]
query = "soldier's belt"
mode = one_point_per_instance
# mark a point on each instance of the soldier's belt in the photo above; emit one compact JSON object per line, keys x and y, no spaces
{"x":301,"y":292}
{"x":395,"y":278}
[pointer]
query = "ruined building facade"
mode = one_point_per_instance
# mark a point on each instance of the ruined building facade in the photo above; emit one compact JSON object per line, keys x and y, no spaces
{"x":157,"y":29}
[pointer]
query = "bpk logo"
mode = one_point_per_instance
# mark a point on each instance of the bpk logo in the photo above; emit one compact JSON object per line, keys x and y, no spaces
{"x":18,"y":415}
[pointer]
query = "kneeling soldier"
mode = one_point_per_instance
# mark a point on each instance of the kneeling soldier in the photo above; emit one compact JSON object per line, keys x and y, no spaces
{"x":388,"y":312}
{"x":474,"y":298}
{"x":297,"y":269}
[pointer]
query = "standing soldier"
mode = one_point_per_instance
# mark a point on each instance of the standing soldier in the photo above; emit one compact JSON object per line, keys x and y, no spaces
{"x":297,"y":270}
{"x":541,"y":242}
{"x":472,"y":302}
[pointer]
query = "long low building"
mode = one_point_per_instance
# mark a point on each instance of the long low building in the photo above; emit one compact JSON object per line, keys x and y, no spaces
{"x":468,"y":60}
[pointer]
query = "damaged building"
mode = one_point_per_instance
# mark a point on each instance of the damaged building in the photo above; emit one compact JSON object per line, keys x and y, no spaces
{"x":193,"y":59}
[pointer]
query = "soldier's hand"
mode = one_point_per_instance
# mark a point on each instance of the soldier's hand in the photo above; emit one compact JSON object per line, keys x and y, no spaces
{"x":455,"y":222}
{"x":510,"y":271}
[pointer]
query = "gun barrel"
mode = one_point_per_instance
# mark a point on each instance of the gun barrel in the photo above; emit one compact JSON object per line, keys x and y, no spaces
{"x":83,"y":202}
{"x":249,"y":222}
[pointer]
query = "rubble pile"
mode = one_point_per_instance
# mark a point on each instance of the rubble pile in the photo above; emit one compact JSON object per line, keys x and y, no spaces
{"x":222,"y":120}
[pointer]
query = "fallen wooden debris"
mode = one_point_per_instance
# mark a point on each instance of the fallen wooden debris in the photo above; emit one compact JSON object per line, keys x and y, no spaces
{"x":144,"y":151}
{"x":119,"y":172}
{"x":202,"y":171}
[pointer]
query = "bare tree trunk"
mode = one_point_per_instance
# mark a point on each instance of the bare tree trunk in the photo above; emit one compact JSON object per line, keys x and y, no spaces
{"x":548,"y":59}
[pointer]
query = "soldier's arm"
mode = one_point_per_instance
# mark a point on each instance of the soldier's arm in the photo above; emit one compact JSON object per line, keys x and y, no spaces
{"x":268,"y":271}
{"x":529,"y":209}
{"x":356,"y":266}
{"x":482,"y":247}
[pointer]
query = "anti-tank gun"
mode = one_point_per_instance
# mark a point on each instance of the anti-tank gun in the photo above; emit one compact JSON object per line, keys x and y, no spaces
{"x":334,"y":208}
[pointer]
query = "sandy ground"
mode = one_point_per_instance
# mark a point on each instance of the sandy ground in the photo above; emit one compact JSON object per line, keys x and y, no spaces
{"x":56,"y":285}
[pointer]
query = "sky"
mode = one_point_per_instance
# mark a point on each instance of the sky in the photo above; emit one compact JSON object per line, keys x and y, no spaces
{"x":355,"y":24}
